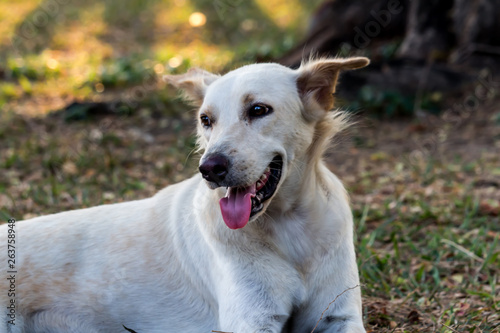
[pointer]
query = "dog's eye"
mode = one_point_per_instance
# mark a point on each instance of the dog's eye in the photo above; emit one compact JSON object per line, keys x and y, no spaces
{"x":205,"y":120}
{"x":259,"y":110}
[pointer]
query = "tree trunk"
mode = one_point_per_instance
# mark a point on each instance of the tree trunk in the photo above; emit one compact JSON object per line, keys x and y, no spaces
{"x":354,"y":22}
{"x":428,"y":33}
{"x":442,"y":42}
{"x":477,"y":22}
{"x":430,"y":29}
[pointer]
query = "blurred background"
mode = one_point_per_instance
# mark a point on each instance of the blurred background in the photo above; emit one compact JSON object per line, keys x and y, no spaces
{"x":86,"y":119}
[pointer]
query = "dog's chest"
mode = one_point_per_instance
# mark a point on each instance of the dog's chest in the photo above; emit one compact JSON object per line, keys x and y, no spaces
{"x":299,"y":244}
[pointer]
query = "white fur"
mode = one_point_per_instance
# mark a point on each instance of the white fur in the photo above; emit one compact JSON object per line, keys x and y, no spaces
{"x":170,"y":264}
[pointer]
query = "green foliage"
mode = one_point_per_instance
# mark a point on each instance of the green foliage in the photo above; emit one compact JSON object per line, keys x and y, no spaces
{"x":496,"y":118}
{"x":384,"y":103}
{"x":126,"y":71}
{"x":390,"y":103}
{"x":8,"y":91}
{"x":30,"y":67}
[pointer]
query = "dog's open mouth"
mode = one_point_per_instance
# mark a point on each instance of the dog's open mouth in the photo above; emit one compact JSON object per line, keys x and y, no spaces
{"x":240,"y":203}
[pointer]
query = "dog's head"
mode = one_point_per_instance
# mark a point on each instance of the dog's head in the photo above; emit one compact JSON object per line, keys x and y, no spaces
{"x":259,"y":125}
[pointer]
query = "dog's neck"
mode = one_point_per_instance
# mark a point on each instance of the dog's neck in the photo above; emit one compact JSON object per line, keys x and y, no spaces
{"x":298,"y":210}
{"x":302,"y":191}
{"x":302,"y":207}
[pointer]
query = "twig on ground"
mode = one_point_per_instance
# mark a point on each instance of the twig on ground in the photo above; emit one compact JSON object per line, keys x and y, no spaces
{"x":462,"y":249}
{"x":322,"y":314}
{"x":448,"y":327}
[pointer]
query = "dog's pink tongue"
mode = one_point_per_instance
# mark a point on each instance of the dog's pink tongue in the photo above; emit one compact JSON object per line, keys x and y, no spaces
{"x":236,"y":206}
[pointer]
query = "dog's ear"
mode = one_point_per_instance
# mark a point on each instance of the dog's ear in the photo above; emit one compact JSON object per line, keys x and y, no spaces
{"x":317,"y":79}
{"x":193,"y":84}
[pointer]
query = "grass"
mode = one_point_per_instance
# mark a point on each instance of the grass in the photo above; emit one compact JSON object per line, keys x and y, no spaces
{"x":427,"y":228}
{"x":89,"y":49}
{"x":446,"y":273}
{"x":428,"y":245}
{"x":100,"y":161}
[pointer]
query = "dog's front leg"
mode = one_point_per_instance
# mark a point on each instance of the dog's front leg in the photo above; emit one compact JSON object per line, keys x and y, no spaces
{"x":334,"y":300}
{"x":256,"y":296}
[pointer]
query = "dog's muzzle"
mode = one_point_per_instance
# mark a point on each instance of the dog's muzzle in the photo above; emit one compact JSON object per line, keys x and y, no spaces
{"x":242,"y":201}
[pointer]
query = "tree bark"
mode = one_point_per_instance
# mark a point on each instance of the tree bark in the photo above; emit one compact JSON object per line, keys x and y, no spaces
{"x":428,"y":33}
{"x":477,"y":21}
{"x":355,"y":22}
{"x":429,"y":29}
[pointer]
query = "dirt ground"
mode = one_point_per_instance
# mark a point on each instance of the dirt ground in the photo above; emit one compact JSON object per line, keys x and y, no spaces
{"x":379,"y":147}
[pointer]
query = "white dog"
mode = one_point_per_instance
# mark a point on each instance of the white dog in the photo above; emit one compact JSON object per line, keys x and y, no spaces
{"x":260,"y":241}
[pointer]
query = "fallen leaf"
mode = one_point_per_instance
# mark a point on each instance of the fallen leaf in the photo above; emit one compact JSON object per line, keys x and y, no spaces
{"x":413,"y":317}
{"x":489,"y":209}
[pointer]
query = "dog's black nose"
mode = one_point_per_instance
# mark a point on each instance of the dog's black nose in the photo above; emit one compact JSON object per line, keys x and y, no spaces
{"x":215,"y":168}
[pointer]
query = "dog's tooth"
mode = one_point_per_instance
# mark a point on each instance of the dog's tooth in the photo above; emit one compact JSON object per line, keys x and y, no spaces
{"x":259,"y":183}
{"x":268,"y":169}
{"x":263,"y":177}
